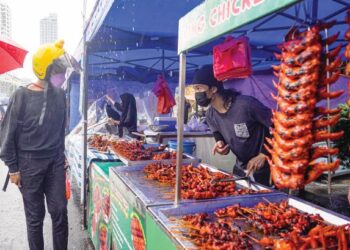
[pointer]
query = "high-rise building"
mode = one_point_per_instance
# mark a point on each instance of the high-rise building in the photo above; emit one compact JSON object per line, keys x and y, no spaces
{"x":48,"y":29}
{"x":5,"y":20}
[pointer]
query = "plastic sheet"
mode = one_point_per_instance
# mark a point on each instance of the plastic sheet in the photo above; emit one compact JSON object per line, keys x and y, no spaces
{"x":146,"y":102}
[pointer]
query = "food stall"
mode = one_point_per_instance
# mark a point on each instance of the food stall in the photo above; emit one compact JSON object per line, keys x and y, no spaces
{"x":188,"y":226}
{"x":198,"y":229}
{"x":213,"y":19}
{"x":142,"y":212}
{"x":99,"y":227}
{"x":137,"y":188}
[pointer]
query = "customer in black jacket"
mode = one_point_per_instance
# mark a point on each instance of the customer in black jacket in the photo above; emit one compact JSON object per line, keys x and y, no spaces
{"x":32,"y":146}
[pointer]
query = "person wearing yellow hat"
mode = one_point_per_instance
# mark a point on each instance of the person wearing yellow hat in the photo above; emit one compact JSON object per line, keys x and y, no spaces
{"x":32,"y":145}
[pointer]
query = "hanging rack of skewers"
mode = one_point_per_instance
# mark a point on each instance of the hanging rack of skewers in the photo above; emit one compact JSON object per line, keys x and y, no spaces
{"x":302,"y":136}
{"x":347,"y":53}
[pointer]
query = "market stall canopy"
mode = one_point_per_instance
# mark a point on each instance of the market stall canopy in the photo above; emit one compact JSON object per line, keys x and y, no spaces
{"x":141,"y":36}
{"x":265,"y":33}
{"x":138,"y":37}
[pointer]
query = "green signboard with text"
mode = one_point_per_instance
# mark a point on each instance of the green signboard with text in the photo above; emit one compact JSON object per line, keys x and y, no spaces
{"x":213,"y":18}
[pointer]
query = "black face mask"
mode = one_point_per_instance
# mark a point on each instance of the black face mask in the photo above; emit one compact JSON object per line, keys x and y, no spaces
{"x":202,"y":99}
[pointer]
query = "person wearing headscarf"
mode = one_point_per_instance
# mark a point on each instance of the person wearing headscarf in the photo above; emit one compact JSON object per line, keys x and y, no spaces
{"x":239,"y":123}
{"x":113,"y":114}
{"x":128,"y":110}
{"x":32,"y":145}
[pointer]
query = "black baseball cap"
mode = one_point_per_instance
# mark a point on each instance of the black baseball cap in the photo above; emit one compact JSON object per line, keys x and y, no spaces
{"x":205,"y":76}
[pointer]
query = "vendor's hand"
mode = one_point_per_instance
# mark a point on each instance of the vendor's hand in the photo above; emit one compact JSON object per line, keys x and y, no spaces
{"x":113,"y":122}
{"x":221,"y":148}
{"x":255,"y":163}
{"x":16,"y":179}
{"x":109,"y":99}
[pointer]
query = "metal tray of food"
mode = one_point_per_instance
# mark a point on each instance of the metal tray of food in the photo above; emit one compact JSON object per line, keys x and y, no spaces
{"x":104,"y":137}
{"x":167,"y":216}
{"x":152,"y":192}
{"x":186,"y":160}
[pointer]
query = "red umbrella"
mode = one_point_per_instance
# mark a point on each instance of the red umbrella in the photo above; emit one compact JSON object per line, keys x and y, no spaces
{"x":11,"y":55}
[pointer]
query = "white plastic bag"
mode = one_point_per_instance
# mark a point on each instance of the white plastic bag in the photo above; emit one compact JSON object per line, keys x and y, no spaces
{"x":195,"y":124}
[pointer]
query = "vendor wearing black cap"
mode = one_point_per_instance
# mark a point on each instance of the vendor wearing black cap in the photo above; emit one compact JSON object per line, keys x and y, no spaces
{"x":239,"y":123}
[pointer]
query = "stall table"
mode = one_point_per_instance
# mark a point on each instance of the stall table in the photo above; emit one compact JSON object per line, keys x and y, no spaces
{"x":74,"y":156}
{"x":204,"y":144}
{"x":162,"y":231}
{"x":131,"y":197}
{"x":99,"y":204}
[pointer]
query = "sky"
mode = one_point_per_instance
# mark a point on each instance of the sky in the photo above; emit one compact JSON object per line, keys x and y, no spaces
{"x":26,"y":15}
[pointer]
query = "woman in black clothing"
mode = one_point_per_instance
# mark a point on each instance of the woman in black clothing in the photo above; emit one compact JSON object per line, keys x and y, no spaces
{"x":113,"y":114}
{"x":128,"y":117}
{"x":32,"y":146}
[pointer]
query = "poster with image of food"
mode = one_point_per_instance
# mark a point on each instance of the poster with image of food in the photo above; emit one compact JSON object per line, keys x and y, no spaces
{"x":106,"y":204}
{"x":103,"y":233}
{"x":99,"y":208}
{"x":127,"y":222}
{"x":137,"y":233}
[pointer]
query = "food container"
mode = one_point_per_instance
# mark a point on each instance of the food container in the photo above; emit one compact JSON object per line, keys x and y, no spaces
{"x":168,"y":228}
{"x":169,"y":121}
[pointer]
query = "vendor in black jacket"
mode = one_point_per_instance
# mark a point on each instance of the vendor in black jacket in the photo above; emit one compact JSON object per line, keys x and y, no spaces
{"x":128,"y":110}
{"x":239,"y":123}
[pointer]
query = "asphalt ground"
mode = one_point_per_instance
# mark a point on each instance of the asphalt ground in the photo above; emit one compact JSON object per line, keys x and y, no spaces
{"x":13,"y":234}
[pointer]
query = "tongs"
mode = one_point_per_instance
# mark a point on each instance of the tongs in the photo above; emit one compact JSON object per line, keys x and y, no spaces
{"x":233,"y":179}
{"x":230,"y":179}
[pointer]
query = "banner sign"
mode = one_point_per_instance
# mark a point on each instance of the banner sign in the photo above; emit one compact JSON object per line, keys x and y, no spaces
{"x":213,"y":18}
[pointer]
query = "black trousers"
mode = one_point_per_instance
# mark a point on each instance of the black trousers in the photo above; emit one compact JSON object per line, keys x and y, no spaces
{"x":261,"y":176}
{"x":44,"y":178}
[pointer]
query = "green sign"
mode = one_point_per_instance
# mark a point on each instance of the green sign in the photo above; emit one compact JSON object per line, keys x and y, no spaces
{"x":98,"y":224}
{"x":99,"y":206}
{"x":127,"y":222}
{"x":213,"y":18}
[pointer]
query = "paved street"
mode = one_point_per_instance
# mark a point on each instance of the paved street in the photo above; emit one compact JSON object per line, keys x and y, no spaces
{"x":12,"y":222}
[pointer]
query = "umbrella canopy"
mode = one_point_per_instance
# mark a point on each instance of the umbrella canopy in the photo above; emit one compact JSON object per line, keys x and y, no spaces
{"x":11,"y":55}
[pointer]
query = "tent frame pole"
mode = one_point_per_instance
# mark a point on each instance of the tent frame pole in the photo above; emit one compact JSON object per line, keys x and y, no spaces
{"x":84,"y":81}
{"x":329,"y":158}
{"x":85,"y":125}
{"x":180,"y":126}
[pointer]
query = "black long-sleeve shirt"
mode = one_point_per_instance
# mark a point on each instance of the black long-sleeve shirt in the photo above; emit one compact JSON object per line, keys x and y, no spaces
{"x":112,"y":113}
{"x":128,"y":110}
{"x":21,"y":134}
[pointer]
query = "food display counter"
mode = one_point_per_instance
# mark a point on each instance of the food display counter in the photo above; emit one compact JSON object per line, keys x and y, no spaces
{"x":99,"y":204}
{"x":132,"y":193}
{"x":176,"y":226}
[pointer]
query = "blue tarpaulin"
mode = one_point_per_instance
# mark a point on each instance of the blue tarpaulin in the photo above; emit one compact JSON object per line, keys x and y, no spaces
{"x":135,"y":40}
{"x":142,"y":36}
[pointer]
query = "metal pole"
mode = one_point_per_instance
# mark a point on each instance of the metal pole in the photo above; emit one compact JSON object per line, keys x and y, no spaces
{"x":83,"y":81}
{"x":163,"y":62}
{"x":180,"y":126}
{"x":328,"y":117}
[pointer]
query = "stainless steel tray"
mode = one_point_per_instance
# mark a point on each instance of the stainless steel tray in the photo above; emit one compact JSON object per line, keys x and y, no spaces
{"x":166,"y":216}
{"x":154,"y":193}
{"x":187,"y":160}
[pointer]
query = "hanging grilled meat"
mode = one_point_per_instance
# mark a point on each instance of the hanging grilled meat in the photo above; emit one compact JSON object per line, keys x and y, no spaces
{"x":298,"y":123}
